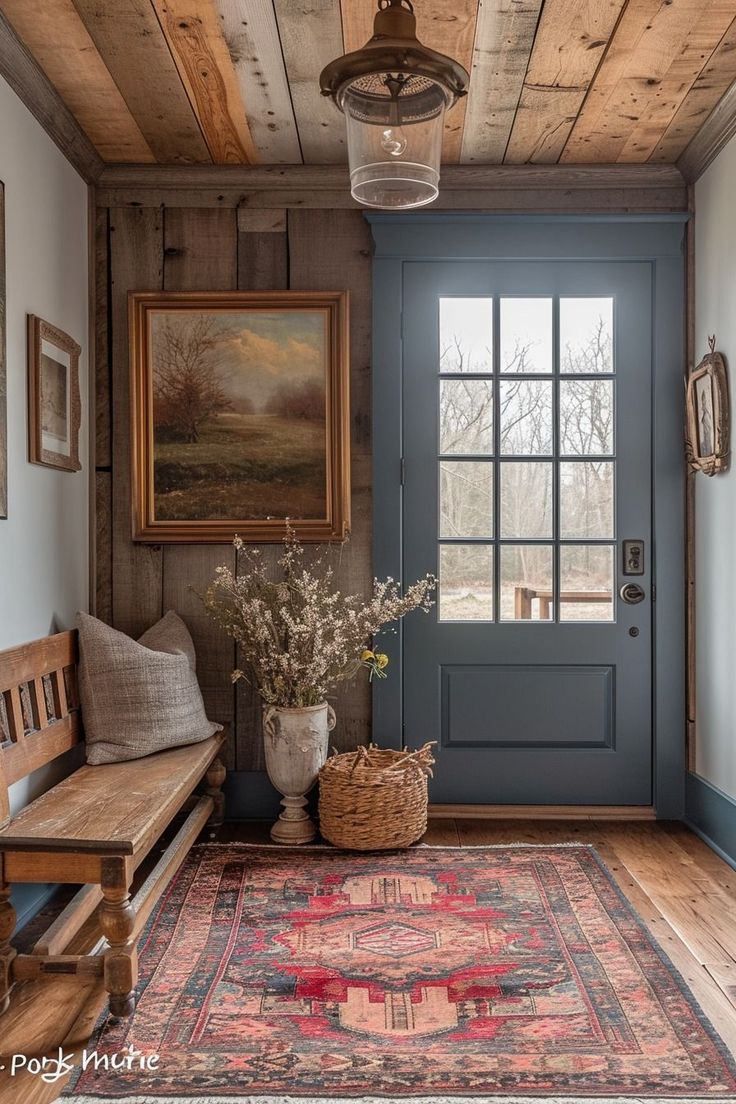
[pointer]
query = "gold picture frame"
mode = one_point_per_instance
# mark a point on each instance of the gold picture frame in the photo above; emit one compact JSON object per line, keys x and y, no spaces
{"x":240,"y":416}
{"x":708,"y":414}
{"x":54,"y":404}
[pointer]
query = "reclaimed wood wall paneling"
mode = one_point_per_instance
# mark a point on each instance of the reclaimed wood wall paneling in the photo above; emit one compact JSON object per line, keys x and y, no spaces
{"x":199,"y":248}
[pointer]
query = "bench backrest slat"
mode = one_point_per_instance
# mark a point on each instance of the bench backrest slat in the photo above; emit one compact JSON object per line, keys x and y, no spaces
{"x":39,"y":711}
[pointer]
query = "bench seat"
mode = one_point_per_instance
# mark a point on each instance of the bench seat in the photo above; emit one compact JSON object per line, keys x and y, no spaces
{"x":118,"y":808}
{"x":94,"y":828}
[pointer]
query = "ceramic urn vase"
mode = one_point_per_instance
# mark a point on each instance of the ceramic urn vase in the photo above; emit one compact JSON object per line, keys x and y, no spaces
{"x":296,"y":743}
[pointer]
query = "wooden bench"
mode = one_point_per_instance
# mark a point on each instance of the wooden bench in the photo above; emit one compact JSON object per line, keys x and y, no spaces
{"x":94,"y":828}
{"x":524,"y":596}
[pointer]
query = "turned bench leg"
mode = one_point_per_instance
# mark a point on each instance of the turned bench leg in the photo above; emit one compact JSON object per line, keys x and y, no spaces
{"x":116,"y":917}
{"x":7,"y":953}
{"x":216,"y":774}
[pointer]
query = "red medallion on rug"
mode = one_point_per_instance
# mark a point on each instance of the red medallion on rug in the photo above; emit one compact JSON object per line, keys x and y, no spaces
{"x":436,"y":972}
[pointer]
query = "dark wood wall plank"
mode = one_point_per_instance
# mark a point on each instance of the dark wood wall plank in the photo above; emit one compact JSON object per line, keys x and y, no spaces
{"x":200,"y":254}
{"x":263,"y":255}
{"x":328,"y":251}
{"x":103,"y":417}
{"x":136,"y":264}
{"x":103,"y":546}
{"x":204,"y":248}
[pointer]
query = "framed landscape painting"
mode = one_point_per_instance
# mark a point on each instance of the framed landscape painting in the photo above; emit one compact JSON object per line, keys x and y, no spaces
{"x":240,"y":416}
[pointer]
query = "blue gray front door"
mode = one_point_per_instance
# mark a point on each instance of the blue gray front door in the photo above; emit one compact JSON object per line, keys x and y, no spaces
{"x":527,"y":434}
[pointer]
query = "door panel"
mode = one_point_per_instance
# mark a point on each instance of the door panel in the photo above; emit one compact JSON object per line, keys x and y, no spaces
{"x":527,"y":460}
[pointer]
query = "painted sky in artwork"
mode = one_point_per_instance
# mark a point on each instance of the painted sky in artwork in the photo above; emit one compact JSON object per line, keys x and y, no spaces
{"x":259,"y":351}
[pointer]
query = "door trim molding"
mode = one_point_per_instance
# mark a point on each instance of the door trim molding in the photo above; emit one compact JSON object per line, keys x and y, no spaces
{"x":659,"y":242}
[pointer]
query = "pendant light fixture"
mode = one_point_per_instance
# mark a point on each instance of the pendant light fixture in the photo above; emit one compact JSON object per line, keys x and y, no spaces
{"x":394,"y":94}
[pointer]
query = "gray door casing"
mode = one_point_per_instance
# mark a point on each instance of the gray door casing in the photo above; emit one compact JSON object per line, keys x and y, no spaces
{"x":655,"y":246}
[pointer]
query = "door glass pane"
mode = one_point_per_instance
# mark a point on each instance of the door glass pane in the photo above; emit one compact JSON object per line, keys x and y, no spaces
{"x":466,"y":416}
{"x":586,"y":417}
{"x":526,"y":335}
{"x":466,"y":582}
{"x":586,"y":499}
{"x":526,"y":417}
{"x":586,"y":335}
{"x":466,"y":498}
{"x":586,"y":582}
{"x":526,"y":499}
{"x":526,"y":582}
{"x":466,"y":335}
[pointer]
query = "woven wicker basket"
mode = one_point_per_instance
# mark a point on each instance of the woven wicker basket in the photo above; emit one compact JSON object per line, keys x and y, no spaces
{"x":374,"y":800}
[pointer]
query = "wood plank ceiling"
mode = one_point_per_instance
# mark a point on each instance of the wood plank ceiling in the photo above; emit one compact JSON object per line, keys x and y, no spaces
{"x":236,"y":81}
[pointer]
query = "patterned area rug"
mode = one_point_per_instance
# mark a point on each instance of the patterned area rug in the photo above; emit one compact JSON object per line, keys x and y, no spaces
{"x":512,"y":972}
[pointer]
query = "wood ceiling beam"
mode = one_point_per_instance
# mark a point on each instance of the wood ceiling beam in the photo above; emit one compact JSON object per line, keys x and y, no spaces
{"x":570,"y":42}
{"x":194,"y":34}
{"x":58,"y":39}
{"x":657,"y":53}
{"x":311,"y":36}
{"x":29,"y":82}
{"x":504,"y":37}
{"x":132,"y":45}
{"x":523,"y":188}
{"x":713,"y":82}
{"x":252,"y":37}
{"x":719,"y":128}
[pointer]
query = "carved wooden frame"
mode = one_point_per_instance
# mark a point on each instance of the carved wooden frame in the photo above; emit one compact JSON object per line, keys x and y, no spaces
{"x":713,"y":368}
{"x":335,"y":526}
{"x":39,"y":331}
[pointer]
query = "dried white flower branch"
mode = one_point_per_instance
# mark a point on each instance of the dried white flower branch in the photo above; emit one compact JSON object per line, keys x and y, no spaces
{"x":298,"y":635}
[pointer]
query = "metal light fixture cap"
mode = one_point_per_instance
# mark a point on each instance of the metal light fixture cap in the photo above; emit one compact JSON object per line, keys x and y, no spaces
{"x":394,"y":48}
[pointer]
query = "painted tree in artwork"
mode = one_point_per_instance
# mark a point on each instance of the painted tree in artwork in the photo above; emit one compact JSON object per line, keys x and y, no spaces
{"x":189,"y":382}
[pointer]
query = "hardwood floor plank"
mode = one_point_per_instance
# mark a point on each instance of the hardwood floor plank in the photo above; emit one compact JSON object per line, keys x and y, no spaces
{"x":252,"y":36}
{"x":441,"y":833}
{"x":724,"y":975}
{"x":569,"y":44}
{"x":311,"y":36}
{"x":711,"y":84}
{"x":194,"y":33}
{"x":504,"y":37}
{"x":131,"y":43}
{"x":449,"y":29}
{"x":58,"y":39}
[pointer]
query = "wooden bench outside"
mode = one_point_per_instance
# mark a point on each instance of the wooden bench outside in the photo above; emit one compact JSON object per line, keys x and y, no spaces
{"x":524,"y":596}
{"x":94,"y":828}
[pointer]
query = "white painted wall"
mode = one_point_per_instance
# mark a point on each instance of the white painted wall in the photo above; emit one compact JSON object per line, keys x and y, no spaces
{"x":715,"y":313}
{"x":44,"y":561}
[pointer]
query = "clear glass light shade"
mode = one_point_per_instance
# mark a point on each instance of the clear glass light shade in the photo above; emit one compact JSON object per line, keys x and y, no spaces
{"x":394,"y":127}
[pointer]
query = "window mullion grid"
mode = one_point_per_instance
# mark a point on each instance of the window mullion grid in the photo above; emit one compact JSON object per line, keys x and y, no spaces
{"x":556,"y":457}
{"x":496,"y":365}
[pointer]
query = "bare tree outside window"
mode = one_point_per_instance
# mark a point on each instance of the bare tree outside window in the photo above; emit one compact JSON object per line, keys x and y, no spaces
{"x":525,"y":410}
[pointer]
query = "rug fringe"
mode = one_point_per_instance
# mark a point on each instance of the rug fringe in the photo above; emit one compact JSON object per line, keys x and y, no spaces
{"x":411,"y":1099}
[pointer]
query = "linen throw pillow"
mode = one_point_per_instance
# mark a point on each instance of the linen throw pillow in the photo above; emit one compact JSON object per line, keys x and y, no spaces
{"x":139,"y":696}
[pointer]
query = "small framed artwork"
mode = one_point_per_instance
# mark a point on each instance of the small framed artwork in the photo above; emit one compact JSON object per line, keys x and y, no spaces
{"x":3,"y":370}
{"x":240,"y":416}
{"x":708,"y":414}
{"x":54,"y":407}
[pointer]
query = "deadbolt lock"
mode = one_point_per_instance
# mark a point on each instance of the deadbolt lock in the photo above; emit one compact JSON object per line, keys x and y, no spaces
{"x":632,"y":593}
